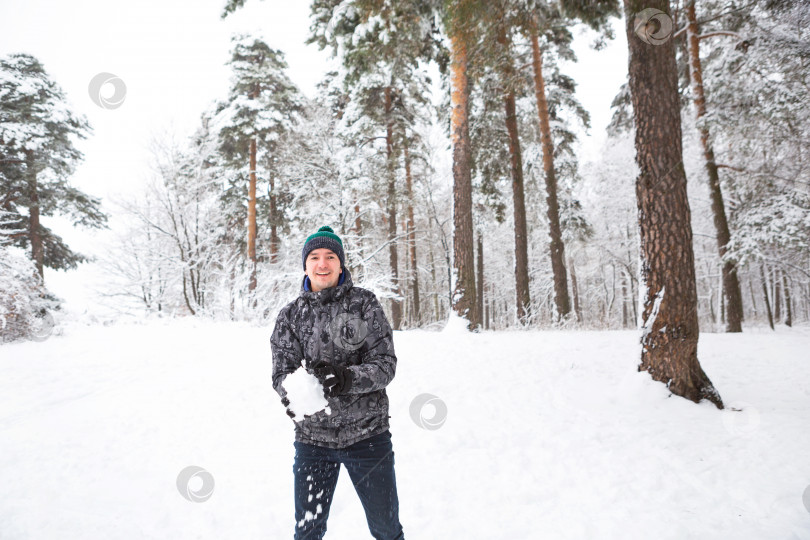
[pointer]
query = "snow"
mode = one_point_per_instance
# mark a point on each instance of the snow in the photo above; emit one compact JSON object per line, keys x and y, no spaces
{"x":547,"y":434}
{"x":305,"y":393}
{"x":647,"y":327}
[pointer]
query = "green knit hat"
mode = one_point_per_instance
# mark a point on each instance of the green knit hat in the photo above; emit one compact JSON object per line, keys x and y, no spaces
{"x":324,"y":238}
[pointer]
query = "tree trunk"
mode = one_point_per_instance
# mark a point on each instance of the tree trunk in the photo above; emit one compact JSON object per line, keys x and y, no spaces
{"x":753,"y":298}
{"x":556,"y":246}
{"x":522,"y":298}
{"x":417,"y":315}
{"x":720,"y":306}
{"x":625,"y":301}
{"x":34,"y":233}
{"x":667,"y":265}
{"x":251,"y":240}
{"x":437,"y":315}
{"x":479,"y":286}
{"x":464,"y":295}
{"x":274,"y":222}
{"x":788,"y":310}
{"x":765,"y":295}
{"x":575,"y":291}
{"x":731,"y":283}
{"x":777,"y":296}
{"x":396,"y":304}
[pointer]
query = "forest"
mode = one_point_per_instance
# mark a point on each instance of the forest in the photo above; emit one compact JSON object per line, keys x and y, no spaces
{"x":443,"y":152}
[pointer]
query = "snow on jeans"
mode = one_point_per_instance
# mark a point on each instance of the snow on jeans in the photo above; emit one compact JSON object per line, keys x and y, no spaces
{"x":370,"y":463}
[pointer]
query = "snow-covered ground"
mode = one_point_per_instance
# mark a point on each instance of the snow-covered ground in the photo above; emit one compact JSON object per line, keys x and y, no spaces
{"x":546,"y":435}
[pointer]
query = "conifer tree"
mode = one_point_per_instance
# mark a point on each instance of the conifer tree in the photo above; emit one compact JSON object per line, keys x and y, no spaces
{"x":38,"y":154}
{"x":380,"y":44}
{"x":460,"y":25}
{"x":261,"y":106}
{"x":731,"y":284}
{"x":669,"y":298}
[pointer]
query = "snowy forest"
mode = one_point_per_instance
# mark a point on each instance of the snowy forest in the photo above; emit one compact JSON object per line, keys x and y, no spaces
{"x":591,"y":336}
{"x":444,"y":152}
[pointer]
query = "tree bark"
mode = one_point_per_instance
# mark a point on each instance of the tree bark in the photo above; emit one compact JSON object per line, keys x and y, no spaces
{"x":417,"y":315}
{"x":574,"y":290}
{"x":667,"y":265}
{"x":251,"y":240}
{"x":765,"y":295}
{"x":396,"y":304}
{"x":788,"y":310}
{"x":464,"y":293}
{"x":556,"y":246}
{"x":731,"y":283}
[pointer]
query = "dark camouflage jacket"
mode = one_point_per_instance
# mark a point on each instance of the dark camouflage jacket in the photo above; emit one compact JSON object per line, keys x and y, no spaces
{"x":343,"y":325}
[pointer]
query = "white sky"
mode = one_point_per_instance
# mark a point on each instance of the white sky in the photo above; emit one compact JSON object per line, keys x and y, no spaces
{"x":171,"y":55}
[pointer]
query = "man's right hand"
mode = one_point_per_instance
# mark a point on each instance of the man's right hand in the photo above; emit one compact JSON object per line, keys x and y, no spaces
{"x":286,"y":403}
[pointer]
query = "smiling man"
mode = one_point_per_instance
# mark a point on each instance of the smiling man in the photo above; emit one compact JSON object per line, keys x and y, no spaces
{"x":340,"y":334}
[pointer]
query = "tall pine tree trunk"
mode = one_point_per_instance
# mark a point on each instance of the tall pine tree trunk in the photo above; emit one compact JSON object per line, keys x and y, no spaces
{"x":522,"y":298}
{"x":464,"y":294}
{"x":417,"y":315}
{"x":556,"y":246}
{"x":34,"y":233}
{"x":396,"y":304}
{"x":251,"y":239}
{"x":731,"y":284}
{"x":667,"y":266}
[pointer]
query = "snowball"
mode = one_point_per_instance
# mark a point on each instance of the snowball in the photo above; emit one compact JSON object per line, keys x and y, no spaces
{"x":305,"y":393}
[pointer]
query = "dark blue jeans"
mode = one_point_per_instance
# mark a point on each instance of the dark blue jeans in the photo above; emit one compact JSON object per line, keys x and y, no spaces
{"x":370,"y":463}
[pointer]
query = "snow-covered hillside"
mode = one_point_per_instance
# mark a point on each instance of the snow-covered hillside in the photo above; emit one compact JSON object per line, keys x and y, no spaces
{"x":546,"y":435}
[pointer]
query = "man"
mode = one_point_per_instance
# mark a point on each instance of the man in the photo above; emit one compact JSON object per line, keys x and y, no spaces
{"x":340,"y":334}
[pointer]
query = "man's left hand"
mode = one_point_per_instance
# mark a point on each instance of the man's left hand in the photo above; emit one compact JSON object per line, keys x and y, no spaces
{"x":336,"y":380}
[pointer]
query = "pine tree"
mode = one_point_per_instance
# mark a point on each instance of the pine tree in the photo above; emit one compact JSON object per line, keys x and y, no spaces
{"x":669,"y":299}
{"x":731,"y":285}
{"x":262,"y":105}
{"x":38,"y":154}
{"x":380,"y":44}
{"x":459,"y":24}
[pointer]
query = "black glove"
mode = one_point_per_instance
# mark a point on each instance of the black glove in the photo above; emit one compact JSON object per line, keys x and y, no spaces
{"x":336,"y":380}
{"x":286,"y":403}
